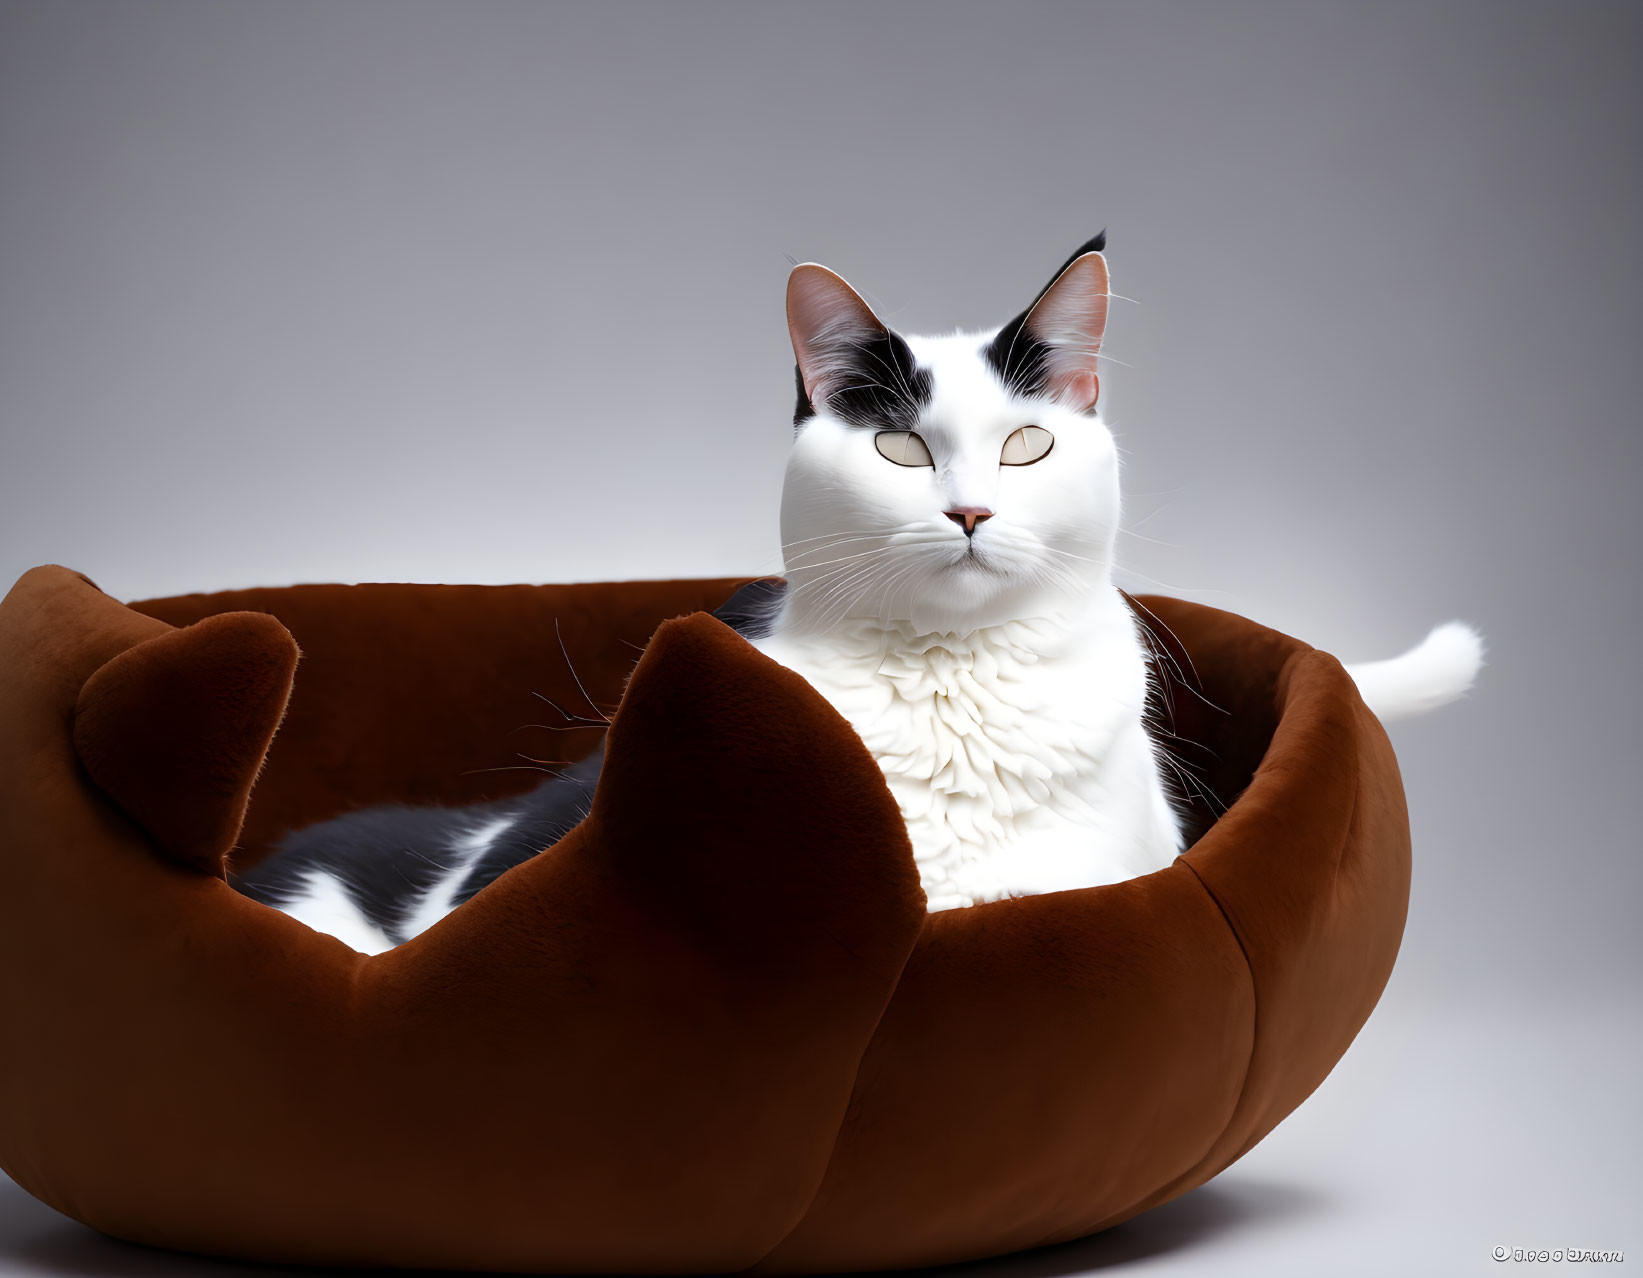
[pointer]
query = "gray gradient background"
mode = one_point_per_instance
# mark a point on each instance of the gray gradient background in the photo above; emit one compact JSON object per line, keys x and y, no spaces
{"x":493,"y":292}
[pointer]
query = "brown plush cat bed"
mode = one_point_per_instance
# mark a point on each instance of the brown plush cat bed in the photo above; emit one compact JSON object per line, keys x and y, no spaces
{"x":711,"y":1029}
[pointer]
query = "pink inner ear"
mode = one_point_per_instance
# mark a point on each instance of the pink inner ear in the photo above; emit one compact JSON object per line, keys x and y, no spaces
{"x":1071,"y":319}
{"x":1077,"y":388}
{"x":827,"y":319}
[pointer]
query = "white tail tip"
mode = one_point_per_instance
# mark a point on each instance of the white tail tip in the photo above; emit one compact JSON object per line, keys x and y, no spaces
{"x":1440,"y":668}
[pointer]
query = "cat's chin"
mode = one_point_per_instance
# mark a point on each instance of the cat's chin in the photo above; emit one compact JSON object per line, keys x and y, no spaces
{"x":976,"y":590}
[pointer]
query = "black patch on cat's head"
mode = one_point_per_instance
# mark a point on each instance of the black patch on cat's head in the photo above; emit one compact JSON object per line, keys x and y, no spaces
{"x":1021,"y":360}
{"x":888,"y":392}
{"x":804,"y":410}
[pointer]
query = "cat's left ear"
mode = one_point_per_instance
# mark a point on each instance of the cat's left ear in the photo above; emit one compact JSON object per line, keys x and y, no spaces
{"x":1051,"y":348}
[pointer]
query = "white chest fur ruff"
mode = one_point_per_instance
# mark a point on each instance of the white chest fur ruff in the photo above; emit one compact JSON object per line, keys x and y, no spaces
{"x":1016,"y":752}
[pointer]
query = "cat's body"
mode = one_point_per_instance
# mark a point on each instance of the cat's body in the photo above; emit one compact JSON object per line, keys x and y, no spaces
{"x":377,"y":877}
{"x":948,"y":519}
{"x":1018,"y":753}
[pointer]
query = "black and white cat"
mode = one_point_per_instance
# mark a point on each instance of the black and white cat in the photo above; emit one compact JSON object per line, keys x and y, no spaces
{"x":949,"y":516}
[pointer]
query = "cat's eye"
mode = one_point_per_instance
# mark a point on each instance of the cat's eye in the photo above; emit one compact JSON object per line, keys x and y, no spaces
{"x":903,"y":447}
{"x":1027,"y":445}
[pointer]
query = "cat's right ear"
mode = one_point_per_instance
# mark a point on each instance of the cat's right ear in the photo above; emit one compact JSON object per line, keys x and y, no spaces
{"x":1053,"y":346}
{"x":829,"y":325}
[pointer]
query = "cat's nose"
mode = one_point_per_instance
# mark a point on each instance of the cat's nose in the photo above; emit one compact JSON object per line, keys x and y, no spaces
{"x":969,"y":518}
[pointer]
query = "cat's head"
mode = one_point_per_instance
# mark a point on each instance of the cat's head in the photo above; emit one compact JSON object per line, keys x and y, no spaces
{"x":950,"y":482}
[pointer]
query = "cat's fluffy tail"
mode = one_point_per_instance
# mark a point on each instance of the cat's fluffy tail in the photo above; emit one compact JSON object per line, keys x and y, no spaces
{"x":1433,"y":673}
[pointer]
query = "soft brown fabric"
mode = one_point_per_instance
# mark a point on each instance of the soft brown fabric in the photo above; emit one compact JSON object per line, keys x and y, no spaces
{"x":175,"y":729}
{"x":450,"y":694}
{"x":712,"y":1028}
